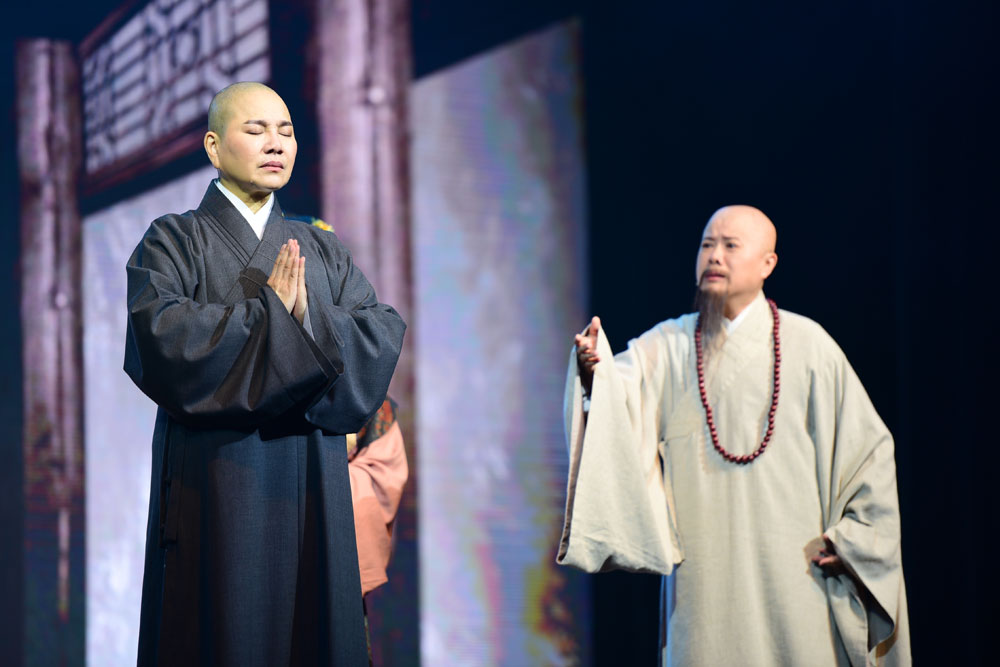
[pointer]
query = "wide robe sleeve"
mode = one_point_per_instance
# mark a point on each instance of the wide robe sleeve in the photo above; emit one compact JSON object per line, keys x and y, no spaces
{"x":248,"y":363}
{"x":365,"y":335}
{"x":237,"y":365}
{"x":862,"y":518}
{"x":618,"y":507}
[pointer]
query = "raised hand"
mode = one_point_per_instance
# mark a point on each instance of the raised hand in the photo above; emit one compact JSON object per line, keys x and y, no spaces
{"x":586,"y":353}
{"x":288,"y":273}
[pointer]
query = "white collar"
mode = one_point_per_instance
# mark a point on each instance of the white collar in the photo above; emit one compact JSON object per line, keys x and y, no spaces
{"x":258,"y":220}
{"x":736,"y":321}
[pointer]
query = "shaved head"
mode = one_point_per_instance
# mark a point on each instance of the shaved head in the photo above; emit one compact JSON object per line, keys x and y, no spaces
{"x":251,"y":141}
{"x":221,"y":108}
{"x":757,"y":227}
{"x":736,"y":257}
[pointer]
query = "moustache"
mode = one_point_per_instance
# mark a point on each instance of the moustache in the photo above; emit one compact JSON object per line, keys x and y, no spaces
{"x":705,"y":274}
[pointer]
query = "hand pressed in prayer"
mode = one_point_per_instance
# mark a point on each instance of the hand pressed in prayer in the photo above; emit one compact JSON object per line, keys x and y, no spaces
{"x":586,"y":353}
{"x":821,"y":552}
{"x":301,"y":296}
{"x":288,"y":279}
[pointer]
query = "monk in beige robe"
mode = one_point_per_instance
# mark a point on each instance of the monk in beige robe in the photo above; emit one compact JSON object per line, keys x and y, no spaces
{"x":786,"y":554}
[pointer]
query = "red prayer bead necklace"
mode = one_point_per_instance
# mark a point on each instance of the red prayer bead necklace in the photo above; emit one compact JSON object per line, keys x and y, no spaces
{"x":746,"y":458}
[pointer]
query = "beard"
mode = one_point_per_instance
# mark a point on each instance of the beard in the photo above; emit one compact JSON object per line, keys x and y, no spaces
{"x":711,"y":307}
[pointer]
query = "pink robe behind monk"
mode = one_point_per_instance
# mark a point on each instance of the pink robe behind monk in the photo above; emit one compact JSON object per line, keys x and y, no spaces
{"x":378,"y":472}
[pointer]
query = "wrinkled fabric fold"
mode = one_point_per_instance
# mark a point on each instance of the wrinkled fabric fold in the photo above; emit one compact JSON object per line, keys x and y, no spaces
{"x":378,"y":473}
{"x":614,"y":473}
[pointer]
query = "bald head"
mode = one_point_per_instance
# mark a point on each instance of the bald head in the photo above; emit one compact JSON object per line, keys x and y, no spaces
{"x":757,"y":228}
{"x":251,"y":141}
{"x":737,"y":255}
{"x":221,"y":109}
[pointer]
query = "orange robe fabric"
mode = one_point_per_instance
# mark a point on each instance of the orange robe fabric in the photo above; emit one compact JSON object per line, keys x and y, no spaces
{"x":378,"y":472}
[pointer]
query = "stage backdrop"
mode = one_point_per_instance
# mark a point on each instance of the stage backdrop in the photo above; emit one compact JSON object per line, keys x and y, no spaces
{"x":500,"y":287}
{"x":119,"y":421}
{"x":500,"y":277}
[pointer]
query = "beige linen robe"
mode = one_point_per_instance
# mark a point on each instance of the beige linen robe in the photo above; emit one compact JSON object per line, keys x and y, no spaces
{"x":647,"y":492}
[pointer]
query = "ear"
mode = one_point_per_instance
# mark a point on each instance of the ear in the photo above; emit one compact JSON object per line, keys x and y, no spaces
{"x":770,"y":261}
{"x":212,"y":148}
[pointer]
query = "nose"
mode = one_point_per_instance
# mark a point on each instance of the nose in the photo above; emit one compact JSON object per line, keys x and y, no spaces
{"x":273,"y":143}
{"x":715,"y":254}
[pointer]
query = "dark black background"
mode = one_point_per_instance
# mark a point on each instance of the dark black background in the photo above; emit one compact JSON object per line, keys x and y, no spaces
{"x":866,"y":130}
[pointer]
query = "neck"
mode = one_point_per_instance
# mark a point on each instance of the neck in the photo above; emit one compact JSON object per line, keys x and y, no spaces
{"x":254,"y":200}
{"x":736,"y":305}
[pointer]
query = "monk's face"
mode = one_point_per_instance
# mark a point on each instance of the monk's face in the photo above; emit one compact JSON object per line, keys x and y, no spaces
{"x":736,"y":255}
{"x":256,"y":151}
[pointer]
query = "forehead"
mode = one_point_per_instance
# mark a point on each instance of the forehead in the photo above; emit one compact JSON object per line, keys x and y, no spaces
{"x":730,"y":224}
{"x":257,"y":105}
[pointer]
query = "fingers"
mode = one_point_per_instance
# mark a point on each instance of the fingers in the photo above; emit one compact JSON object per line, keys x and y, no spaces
{"x":832,"y":565}
{"x":287,"y":259}
{"x":301,"y":297}
{"x":296,"y":267}
{"x":292,"y":263}
{"x":289,"y":256}
{"x":302,"y":282}
{"x":288,"y":273}
{"x":823,"y":554}
{"x":828,"y":557}
{"x":279,"y":262}
{"x":586,"y":345}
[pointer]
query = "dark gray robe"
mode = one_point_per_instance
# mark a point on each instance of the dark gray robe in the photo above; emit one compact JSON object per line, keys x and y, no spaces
{"x":250,"y":546}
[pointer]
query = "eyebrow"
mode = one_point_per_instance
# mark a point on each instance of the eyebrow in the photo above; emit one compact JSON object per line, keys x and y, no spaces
{"x":280,"y":123}
{"x":724,"y":238}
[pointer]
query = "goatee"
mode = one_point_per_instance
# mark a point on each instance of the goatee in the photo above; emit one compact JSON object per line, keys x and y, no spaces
{"x":711,"y":307}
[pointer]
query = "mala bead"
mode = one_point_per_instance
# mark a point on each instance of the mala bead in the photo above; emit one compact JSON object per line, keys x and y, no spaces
{"x":710,"y":420}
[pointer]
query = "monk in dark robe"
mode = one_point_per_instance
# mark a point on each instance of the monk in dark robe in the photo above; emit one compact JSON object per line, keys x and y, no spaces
{"x":262,"y":344}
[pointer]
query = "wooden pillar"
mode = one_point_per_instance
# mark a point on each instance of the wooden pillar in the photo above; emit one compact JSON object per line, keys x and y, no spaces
{"x":49,"y":151}
{"x":363,"y":76}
